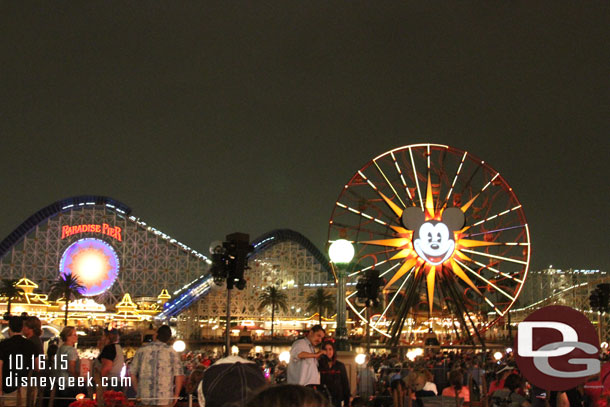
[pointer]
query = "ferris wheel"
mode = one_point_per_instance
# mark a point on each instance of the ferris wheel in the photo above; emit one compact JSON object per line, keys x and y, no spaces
{"x":446,"y":233}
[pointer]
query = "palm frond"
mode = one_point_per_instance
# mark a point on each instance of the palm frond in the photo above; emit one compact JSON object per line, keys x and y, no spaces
{"x":66,"y":284}
{"x":320,"y":299}
{"x":273,"y":297}
{"x":9,"y":288}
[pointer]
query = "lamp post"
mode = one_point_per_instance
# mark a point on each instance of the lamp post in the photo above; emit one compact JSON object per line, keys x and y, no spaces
{"x":341,"y":253}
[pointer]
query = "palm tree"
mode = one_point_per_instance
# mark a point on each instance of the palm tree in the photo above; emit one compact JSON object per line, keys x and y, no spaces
{"x":66,"y":287}
{"x":272,"y":296}
{"x":321,"y":302}
{"x":10,"y":290}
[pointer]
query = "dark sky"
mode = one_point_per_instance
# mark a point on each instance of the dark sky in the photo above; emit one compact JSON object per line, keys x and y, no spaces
{"x":213,"y":117}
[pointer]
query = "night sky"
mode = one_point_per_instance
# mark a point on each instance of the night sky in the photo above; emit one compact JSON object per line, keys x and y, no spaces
{"x":208,"y":118}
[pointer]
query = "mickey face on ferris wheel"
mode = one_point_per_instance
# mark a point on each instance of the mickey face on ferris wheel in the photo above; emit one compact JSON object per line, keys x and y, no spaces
{"x":433,"y":240}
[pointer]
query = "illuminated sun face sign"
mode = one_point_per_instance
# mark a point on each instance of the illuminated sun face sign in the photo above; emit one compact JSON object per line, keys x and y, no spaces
{"x":94,"y":262}
{"x":433,"y":240}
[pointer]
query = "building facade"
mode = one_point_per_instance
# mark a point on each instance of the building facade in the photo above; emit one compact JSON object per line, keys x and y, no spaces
{"x":568,"y":287}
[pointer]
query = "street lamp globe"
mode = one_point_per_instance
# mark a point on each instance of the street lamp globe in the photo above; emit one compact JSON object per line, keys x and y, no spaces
{"x":179,"y":346}
{"x":341,"y":251}
{"x":285,"y":357}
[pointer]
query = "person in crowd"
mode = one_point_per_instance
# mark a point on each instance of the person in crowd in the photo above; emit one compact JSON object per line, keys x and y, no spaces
{"x":288,"y":395}
{"x":366,"y":381}
{"x":383,"y":395}
{"x":593,"y":389}
{"x":426,"y":377}
{"x":557,"y":399}
{"x":476,"y":372}
{"x":32,"y":330}
{"x":205,"y":361}
{"x":396,"y":372}
{"x":11,"y":391}
{"x":303,"y":366}
{"x":229,"y":382}
{"x":111,"y":359}
{"x":156,"y":371}
{"x":604,"y":375}
{"x":501,"y":374}
{"x":52,"y":348}
{"x":280,"y":373}
{"x":440,"y":372}
{"x":334,"y":376}
{"x":190,"y":387}
{"x":416,"y":381}
{"x":52,"y":351}
{"x":577,"y":396}
{"x":509,"y":395}
{"x":456,"y":386}
{"x":399,"y":393}
{"x":359,"y":402}
{"x":67,"y":365}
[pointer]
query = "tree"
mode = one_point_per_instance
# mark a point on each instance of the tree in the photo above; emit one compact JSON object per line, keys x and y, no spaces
{"x":272,"y":296}
{"x":321,"y":302}
{"x":66,"y":287}
{"x":10,"y":290}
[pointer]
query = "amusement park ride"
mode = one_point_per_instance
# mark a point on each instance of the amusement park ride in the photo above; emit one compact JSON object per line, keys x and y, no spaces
{"x":439,"y":231}
{"x":445,"y":231}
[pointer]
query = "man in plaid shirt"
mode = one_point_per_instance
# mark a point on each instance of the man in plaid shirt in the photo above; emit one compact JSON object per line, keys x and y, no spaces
{"x":156,"y":371}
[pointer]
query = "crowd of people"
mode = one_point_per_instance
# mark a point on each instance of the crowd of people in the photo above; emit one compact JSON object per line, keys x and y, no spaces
{"x":159,"y":376}
{"x":475,"y":378}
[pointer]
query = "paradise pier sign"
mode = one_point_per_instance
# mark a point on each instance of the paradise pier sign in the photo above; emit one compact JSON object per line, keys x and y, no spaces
{"x":104,"y":228}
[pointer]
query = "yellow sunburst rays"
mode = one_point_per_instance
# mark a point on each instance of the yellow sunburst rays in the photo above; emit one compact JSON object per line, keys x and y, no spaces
{"x":429,"y":199}
{"x":403,"y":243}
{"x":430,"y":283}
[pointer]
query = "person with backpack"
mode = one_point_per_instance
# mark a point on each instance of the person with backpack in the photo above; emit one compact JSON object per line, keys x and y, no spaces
{"x":508,"y":396}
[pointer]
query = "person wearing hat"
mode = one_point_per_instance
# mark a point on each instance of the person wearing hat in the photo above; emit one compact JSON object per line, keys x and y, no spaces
{"x":501,"y":375}
{"x":156,"y":372}
{"x":229,"y":382}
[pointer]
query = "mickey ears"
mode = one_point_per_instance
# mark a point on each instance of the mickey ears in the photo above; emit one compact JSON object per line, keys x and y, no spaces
{"x":413,"y":217}
{"x":454,"y":218}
